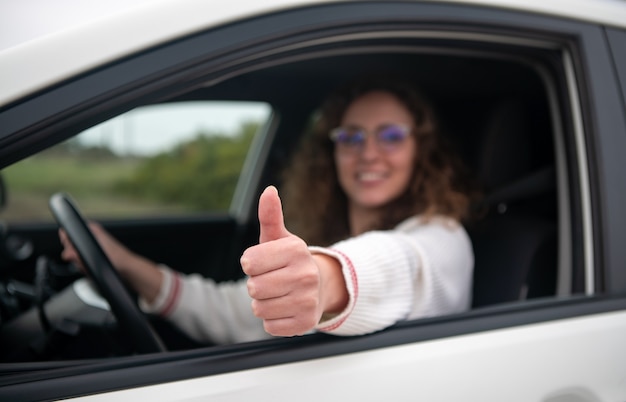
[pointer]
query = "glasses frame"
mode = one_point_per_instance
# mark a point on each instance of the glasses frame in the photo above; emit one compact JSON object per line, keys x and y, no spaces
{"x":358,"y":147}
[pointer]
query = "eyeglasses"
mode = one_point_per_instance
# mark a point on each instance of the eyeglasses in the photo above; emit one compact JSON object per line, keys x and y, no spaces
{"x":352,"y":139}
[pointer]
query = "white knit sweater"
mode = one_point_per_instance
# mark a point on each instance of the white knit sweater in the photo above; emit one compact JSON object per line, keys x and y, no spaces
{"x":418,"y":269}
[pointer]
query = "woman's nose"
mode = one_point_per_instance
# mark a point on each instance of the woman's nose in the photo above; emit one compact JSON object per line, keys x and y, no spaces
{"x":370,"y":149}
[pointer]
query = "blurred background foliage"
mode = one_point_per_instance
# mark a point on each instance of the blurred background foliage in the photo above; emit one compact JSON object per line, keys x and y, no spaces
{"x":197,"y":175}
{"x":200,"y":174}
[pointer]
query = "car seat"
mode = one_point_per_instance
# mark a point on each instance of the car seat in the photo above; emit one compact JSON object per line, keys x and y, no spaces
{"x":514,"y":242}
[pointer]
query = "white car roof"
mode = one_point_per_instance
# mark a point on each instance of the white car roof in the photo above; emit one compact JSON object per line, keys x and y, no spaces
{"x":44,"y":42}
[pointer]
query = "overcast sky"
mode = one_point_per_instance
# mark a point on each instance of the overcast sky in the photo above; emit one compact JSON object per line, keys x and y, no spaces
{"x":154,"y":129}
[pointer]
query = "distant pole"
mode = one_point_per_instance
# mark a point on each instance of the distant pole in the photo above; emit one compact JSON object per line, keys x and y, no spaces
{"x":128,"y":133}
{"x":105,"y":135}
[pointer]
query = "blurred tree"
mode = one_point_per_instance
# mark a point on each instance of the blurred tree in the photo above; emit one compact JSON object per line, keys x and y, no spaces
{"x":200,"y":174}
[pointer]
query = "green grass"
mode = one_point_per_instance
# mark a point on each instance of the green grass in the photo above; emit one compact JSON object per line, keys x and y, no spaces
{"x":90,"y":183}
{"x":48,"y":175}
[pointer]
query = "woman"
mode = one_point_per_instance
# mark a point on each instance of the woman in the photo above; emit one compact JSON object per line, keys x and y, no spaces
{"x":381,"y":201}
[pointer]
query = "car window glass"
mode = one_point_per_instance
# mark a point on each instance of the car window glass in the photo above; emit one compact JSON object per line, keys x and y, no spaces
{"x":170,"y":159}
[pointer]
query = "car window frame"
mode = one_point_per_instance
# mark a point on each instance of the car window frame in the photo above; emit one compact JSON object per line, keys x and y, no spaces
{"x":599,"y":108}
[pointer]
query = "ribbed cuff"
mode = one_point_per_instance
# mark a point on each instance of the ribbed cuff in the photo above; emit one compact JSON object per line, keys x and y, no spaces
{"x":168,"y":296}
{"x":328,"y":324}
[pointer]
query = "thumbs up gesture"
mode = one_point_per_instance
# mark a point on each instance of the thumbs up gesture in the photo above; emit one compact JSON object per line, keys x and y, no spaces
{"x":284,"y":278}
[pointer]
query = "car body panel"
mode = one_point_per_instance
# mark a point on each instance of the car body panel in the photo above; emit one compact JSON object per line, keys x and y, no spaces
{"x":52,"y":58}
{"x":508,"y":364}
{"x":519,"y":334}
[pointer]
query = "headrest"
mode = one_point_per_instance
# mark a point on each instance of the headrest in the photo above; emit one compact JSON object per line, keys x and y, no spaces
{"x":502,"y":150}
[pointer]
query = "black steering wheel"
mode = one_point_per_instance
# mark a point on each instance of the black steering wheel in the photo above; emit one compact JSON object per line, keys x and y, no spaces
{"x":131,"y":320}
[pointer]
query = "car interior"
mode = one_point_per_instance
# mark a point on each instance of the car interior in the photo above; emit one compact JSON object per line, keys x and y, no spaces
{"x":494,"y":107}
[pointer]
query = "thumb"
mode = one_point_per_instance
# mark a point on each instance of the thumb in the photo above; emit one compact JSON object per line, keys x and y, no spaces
{"x":272,"y":226}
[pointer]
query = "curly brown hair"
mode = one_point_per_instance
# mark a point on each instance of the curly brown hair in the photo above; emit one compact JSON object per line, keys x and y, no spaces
{"x":316,"y":206}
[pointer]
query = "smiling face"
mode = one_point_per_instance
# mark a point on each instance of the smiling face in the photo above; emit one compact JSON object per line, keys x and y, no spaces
{"x":373,"y":175}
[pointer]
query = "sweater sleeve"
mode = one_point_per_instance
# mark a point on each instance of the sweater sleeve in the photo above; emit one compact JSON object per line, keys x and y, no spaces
{"x":416,"y":270}
{"x":205,"y":310}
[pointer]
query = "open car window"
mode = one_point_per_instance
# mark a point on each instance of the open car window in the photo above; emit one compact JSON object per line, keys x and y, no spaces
{"x":496,"y":101}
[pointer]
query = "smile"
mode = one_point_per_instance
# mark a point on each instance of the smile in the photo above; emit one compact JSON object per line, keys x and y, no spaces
{"x":371,"y":176}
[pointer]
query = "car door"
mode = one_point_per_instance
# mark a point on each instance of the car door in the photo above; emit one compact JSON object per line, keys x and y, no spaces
{"x":567,"y":345}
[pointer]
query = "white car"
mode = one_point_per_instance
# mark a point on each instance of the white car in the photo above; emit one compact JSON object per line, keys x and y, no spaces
{"x":109,"y":102}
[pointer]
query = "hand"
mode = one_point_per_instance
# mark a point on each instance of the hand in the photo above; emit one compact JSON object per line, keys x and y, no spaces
{"x":284,"y":278}
{"x":119,"y":255}
{"x":141,"y":273}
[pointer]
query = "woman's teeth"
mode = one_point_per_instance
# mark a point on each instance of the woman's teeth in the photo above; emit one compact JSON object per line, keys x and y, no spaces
{"x":370,"y":176}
